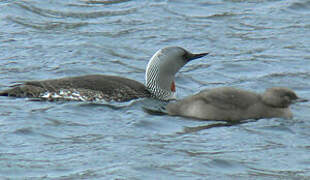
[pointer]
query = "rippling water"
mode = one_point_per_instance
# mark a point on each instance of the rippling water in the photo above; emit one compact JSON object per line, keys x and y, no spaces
{"x":253,"y":44}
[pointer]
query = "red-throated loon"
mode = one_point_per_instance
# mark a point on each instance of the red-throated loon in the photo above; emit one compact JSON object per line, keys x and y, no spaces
{"x":230,"y":104}
{"x":159,"y":77}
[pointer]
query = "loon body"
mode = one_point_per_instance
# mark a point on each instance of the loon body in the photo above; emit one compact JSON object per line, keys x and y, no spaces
{"x":87,"y":88}
{"x":160,"y":75}
{"x":230,"y":104}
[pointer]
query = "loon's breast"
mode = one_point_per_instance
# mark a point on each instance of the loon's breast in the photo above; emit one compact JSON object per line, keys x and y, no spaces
{"x":85,"y":88}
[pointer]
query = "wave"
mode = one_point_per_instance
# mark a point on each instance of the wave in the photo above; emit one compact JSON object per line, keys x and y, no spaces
{"x":46,"y":25}
{"x":79,"y":15}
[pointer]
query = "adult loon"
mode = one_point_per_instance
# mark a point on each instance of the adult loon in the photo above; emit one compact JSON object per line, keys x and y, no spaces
{"x":159,"y":77}
{"x":231,"y":104}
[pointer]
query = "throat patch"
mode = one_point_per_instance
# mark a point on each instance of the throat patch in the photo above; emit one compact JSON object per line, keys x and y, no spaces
{"x":172,"y":87}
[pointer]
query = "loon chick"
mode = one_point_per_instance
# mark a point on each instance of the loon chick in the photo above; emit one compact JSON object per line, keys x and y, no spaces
{"x":230,"y":104}
{"x":159,"y":77}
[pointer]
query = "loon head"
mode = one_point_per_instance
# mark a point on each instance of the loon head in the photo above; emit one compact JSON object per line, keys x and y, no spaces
{"x":280,"y":97}
{"x":161,"y":70}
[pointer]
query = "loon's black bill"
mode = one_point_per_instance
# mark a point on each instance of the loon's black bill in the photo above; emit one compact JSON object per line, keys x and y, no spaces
{"x":196,"y":56}
{"x":298,"y":100}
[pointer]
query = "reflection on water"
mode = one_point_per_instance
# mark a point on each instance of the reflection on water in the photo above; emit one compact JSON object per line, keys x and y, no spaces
{"x":209,"y":126}
{"x":253,"y":45}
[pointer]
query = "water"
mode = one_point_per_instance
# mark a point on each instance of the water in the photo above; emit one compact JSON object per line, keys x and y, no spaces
{"x":253,"y":45}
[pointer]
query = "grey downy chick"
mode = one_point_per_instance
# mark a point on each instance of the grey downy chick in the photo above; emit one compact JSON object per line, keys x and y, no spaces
{"x":231,"y":104}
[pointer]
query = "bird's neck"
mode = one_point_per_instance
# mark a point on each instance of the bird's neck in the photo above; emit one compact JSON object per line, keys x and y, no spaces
{"x":158,"y":92}
{"x":157,"y":82}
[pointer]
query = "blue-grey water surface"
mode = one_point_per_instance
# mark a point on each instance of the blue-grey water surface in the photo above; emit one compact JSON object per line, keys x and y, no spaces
{"x":253,"y":45}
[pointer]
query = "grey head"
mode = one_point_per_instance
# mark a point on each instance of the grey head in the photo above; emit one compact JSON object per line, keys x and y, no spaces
{"x":161,"y":70}
{"x":280,"y":97}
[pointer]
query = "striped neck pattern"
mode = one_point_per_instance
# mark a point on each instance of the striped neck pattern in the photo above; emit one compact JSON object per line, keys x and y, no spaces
{"x":153,"y":79}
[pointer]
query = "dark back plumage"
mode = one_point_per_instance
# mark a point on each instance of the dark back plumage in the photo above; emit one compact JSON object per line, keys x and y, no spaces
{"x":91,"y":87}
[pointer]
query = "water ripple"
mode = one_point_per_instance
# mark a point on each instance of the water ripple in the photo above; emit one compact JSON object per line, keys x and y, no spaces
{"x":212,"y":16}
{"x":300,"y":7}
{"x":24,"y":131}
{"x":46,"y":25}
{"x":78,"y":15}
{"x":106,"y":2}
{"x":286,"y":75}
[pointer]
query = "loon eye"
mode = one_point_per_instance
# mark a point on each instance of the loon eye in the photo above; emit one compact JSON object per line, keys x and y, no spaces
{"x":184,"y":56}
